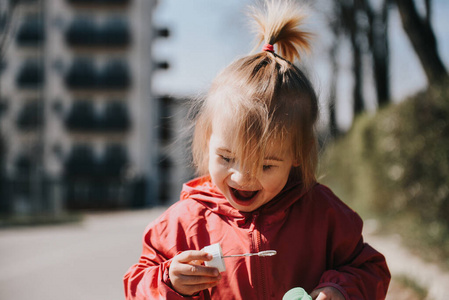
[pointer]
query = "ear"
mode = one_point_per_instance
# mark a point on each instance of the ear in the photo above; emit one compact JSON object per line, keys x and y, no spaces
{"x":296,"y":163}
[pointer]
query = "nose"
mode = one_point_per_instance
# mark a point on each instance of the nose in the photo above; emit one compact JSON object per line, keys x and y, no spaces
{"x":242,"y":178}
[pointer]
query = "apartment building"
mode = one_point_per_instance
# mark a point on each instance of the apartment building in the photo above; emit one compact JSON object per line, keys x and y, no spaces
{"x":79,"y":124}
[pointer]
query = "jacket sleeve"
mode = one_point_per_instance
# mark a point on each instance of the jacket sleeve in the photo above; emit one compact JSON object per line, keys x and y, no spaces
{"x":149,"y":279}
{"x":357,"y":270}
{"x":365,"y":277}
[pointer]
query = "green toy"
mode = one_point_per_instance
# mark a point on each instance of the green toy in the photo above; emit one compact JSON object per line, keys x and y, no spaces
{"x":296,"y":294}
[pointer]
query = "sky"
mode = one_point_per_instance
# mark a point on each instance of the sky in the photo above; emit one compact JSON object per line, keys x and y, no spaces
{"x":207,"y":35}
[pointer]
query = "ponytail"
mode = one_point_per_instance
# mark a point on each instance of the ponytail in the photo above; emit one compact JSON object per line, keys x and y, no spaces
{"x":277,"y":23}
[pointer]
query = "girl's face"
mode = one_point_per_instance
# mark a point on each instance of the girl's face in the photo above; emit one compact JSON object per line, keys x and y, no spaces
{"x":244,"y":191}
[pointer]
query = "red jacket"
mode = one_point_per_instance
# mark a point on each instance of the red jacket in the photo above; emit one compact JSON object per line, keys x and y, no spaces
{"x":317,"y":238}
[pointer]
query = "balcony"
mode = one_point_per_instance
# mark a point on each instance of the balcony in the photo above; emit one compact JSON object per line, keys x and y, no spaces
{"x":81,"y":162}
{"x":84,"y":32}
{"x":82,"y":74}
{"x":115,"y":75}
{"x":114,"y":161}
{"x":114,"y":33}
{"x":31,"y":116}
{"x":115,"y":117}
{"x":23,"y":164}
{"x":31,"y":32}
{"x":31,"y":75}
{"x":82,"y":117}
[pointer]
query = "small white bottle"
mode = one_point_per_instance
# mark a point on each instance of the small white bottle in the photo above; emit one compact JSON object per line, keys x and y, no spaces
{"x":217,"y":260}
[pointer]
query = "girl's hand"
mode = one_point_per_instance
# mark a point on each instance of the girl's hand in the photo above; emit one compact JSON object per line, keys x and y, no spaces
{"x":327,"y":293}
{"x":188,"y":276}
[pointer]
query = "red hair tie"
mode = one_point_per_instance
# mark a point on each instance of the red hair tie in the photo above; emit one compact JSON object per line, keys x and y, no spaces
{"x":268,"y":47}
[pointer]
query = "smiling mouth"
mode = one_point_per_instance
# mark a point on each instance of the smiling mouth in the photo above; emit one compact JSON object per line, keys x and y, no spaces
{"x":243,"y":195}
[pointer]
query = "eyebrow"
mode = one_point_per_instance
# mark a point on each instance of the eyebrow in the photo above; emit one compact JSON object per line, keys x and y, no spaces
{"x":273,"y":158}
{"x":224,"y":150}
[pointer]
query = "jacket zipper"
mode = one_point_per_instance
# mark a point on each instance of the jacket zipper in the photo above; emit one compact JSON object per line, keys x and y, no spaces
{"x":256,"y":244}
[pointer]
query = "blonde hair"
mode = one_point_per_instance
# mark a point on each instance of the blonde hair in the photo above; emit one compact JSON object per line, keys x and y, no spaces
{"x":264,"y":98}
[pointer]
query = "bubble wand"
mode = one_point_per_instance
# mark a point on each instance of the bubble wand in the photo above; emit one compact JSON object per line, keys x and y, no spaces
{"x":218,"y":257}
{"x":261,"y":253}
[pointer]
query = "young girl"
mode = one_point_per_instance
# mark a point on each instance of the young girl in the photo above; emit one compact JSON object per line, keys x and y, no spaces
{"x":254,"y":142}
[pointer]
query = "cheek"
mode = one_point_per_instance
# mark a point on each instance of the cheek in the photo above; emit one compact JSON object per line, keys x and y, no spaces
{"x":216,"y":169}
{"x":274,"y":184}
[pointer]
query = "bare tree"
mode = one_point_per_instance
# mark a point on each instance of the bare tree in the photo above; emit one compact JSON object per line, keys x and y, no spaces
{"x":348,"y":14}
{"x":377,"y":33}
{"x":366,"y":28}
{"x":333,"y":126}
{"x":420,"y":32}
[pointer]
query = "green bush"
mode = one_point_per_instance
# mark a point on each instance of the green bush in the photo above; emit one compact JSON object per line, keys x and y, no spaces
{"x":394,"y":166}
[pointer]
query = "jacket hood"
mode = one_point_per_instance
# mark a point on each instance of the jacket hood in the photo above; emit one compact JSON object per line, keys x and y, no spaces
{"x":204,"y":191}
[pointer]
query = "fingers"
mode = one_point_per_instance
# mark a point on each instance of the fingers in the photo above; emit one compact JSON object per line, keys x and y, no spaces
{"x":192,"y":255}
{"x":314,"y":295}
{"x":327,"y":293}
{"x":188,"y":276}
{"x":194,"y":274}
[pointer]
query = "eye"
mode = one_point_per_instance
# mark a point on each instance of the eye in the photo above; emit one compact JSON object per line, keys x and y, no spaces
{"x":225,"y":158}
{"x":267,"y":167}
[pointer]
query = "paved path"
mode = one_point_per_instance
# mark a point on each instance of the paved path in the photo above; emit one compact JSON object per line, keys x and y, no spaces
{"x":87,"y":261}
{"x":84,"y":261}
{"x":403,"y":263}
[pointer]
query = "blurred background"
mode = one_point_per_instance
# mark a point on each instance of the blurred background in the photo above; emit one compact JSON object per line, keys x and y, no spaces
{"x":93,"y":98}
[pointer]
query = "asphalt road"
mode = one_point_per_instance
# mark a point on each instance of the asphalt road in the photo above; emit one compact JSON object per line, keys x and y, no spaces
{"x":74,"y":261}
